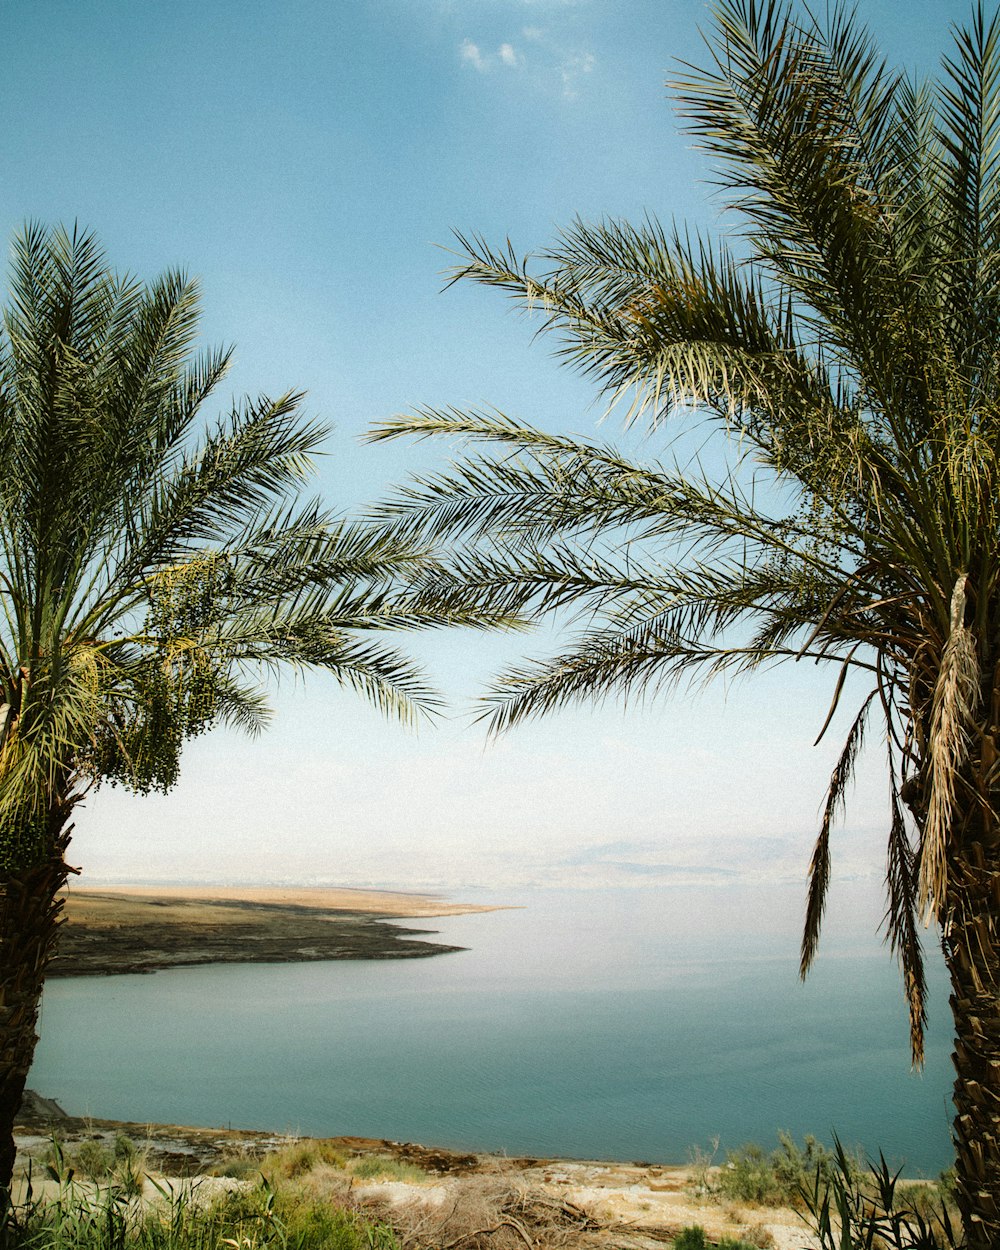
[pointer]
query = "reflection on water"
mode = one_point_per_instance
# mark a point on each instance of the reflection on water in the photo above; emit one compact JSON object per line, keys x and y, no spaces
{"x":602,"y":1024}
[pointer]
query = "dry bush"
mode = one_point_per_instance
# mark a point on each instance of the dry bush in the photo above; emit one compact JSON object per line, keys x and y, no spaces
{"x":492,"y":1212}
{"x":301,"y":1156}
{"x":324,"y":1182}
{"x":758,"y":1235}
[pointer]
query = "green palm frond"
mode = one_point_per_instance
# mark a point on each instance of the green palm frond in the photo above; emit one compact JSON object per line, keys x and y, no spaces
{"x":241,"y":706}
{"x":152,"y":570}
{"x":844,"y":350}
{"x":968,"y":184}
{"x":383,"y":675}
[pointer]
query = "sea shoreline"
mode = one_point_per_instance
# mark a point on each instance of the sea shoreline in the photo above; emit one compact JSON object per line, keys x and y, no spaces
{"x":114,"y":930}
{"x":628,"y":1206}
{"x":591,"y":1025}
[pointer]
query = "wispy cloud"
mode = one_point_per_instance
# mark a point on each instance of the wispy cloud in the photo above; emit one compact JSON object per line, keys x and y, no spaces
{"x":545,"y":59}
{"x":471,"y":55}
{"x":482,"y":62}
{"x":572,"y":69}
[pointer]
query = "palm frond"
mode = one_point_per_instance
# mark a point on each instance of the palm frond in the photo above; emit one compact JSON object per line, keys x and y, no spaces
{"x":150,"y":569}
{"x":968,"y":186}
{"x":955,"y":694}
{"x":846,"y":349}
{"x":901,"y":922}
{"x":819,"y":866}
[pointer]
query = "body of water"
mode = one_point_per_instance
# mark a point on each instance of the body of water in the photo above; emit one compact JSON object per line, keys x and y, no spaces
{"x":629,"y":1024}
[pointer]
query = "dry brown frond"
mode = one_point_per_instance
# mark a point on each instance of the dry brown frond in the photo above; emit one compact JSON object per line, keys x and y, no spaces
{"x":955,"y":697}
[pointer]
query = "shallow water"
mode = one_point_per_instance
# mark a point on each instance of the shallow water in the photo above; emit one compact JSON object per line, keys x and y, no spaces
{"x":630,"y":1024}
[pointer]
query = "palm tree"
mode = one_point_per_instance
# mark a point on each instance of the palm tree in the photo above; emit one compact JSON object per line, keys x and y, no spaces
{"x":149,"y":571}
{"x":844,"y":350}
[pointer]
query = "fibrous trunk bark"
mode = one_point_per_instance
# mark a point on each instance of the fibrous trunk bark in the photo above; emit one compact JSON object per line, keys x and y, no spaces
{"x":971,"y":941}
{"x":30,"y":914}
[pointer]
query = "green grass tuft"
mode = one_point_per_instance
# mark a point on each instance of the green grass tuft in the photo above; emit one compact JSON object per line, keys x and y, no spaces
{"x":259,"y":1218}
{"x":300,"y":1157}
{"x":382,"y":1167}
{"x":691,"y":1238}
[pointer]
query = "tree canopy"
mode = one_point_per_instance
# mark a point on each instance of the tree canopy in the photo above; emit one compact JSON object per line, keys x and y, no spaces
{"x":842,"y":346}
{"x":154,"y":571}
{"x":151,"y":572}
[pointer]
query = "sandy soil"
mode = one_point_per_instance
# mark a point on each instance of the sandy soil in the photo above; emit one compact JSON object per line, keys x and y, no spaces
{"x":632,"y":1206}
{"x":321,"y":898}
{"x":116,"y":929}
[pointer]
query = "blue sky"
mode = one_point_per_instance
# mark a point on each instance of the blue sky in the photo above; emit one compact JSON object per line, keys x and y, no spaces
{"x":308,"y":160}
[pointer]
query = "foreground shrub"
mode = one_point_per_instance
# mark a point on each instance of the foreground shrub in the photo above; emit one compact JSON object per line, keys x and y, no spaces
{"x":850,"y":1211}
{"x":383,"y":1167}
{"x":317,"y":1225}
{"x":83,"y":1218}
{"x":242,"y":1167}
{"x":758,"y":1236}
{"x":693,"y":1238}
{"x":776,"y":1179}
{"x":300,"y":1157}
{"x":758,"y":1177}
{"x":118,"y":1163}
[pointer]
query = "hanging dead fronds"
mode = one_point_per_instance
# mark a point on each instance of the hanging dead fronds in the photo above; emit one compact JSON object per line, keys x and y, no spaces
{"x":901,"y":921}
{"x":956,"y":694}
{"x":819,"y":867}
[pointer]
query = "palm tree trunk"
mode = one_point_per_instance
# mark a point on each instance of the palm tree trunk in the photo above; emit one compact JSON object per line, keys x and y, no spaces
{"x":971,"y":941}
{"x":30,"y":915}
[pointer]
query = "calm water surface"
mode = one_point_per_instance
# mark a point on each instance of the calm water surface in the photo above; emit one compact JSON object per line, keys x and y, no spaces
{"x":630,"y":1024}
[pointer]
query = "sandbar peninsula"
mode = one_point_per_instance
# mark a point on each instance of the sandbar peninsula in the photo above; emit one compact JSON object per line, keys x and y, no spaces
{"x":113,"y":929}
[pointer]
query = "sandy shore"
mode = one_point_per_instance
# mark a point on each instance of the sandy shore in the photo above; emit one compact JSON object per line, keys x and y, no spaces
{"x":126,"y":929}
